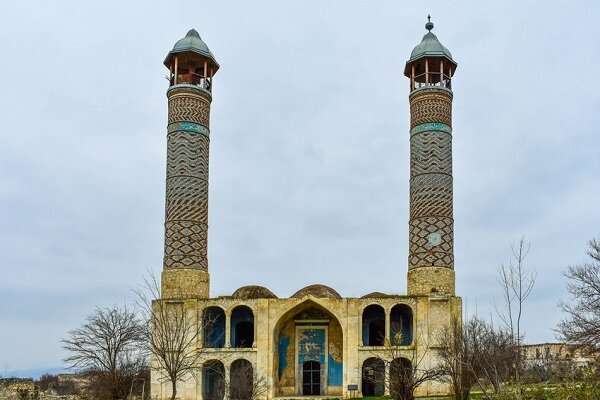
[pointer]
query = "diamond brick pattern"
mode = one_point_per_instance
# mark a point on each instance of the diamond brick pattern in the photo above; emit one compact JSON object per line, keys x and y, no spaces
{"x":185,"y":245}
{"x":422,"y":254}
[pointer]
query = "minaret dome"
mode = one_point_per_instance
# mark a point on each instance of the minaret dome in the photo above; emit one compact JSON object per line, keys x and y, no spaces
{"x":191,"y":62}
{"x":430,"y":63}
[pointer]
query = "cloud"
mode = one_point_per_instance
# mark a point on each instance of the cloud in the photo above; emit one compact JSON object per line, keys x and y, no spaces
{"x":309,"y":150}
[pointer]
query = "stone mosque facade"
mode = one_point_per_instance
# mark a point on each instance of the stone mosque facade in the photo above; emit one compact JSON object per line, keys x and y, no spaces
{"x":314,"y":343}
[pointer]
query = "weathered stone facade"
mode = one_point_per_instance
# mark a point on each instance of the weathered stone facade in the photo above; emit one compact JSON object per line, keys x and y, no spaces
{"x":279,"y":327}
{"x":315,"y":342}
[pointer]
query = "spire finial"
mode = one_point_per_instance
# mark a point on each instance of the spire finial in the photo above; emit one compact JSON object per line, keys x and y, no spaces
{"x":429,"y":24}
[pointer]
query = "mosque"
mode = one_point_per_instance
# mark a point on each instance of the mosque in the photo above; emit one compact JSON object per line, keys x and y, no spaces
{"x":314,"y":343}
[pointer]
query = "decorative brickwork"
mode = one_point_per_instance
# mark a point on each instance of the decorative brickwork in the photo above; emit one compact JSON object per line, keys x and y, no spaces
{"x":431,"y":225}
{"x":185,"y":245}
{"x":186,"y":210}
{"x":422,"y":252}
{"x":431,"y":194}
{"x":189,"y":105}
{"x":430,"y":105}
{"x":187,"y":154}
{"x":431,"y":152}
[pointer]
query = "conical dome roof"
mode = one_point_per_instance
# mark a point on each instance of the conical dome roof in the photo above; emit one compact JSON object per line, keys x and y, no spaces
{"x":430,"y":46}
{"x":192,"y":43}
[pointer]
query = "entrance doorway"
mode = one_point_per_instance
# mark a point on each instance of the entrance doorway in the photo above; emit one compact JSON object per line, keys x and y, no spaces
{"x":311,"y":378}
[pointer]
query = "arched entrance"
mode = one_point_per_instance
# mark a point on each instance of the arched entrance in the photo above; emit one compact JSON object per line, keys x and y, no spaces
{"x":213,"y":380}
{"x":308,"y":355}
{"x":241,"y":380}
{"x":401,"y":375}
{"x":311,"y":378}
{"x":373,"y":377}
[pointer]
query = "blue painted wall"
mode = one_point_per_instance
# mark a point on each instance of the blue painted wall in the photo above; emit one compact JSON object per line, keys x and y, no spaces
{"x":334,"y":373}
{"x":284,"y":343}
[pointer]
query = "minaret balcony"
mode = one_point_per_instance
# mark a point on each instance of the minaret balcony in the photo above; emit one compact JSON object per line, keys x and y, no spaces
{"x":431,"y":79}
{"x":192,"y":79}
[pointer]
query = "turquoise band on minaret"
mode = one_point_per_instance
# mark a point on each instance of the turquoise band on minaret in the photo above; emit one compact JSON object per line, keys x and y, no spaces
{"x":188,"y":127}
{"x":431,"y":126}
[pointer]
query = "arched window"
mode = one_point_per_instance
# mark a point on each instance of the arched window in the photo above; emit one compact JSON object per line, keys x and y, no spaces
{"x":373,"y":377}
{"x":213,"y":380}
{"x":373,"y":325}
{"x":241,"y":380}
{"x":242,"y":327}
{"x":401,"y":372}
{"x":213,"y":327}
{"x":401,"y":325}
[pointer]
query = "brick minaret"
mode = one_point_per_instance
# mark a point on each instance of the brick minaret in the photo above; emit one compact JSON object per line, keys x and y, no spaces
{"x":431,"y":233}
{"x":185,"y":268}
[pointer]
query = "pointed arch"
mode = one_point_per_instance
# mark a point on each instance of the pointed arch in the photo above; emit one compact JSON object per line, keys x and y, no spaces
{"x":308,"y":331}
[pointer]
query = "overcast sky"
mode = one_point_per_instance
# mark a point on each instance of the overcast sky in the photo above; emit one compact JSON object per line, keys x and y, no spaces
{"x":309,"y":150}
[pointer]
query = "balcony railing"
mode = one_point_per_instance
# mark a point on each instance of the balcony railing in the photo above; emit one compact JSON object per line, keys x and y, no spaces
{"x":432,"y":79}
{"x":192,"y":79}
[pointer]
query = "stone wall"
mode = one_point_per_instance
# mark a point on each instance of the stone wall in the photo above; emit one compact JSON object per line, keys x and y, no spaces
{"x":431,"y":281}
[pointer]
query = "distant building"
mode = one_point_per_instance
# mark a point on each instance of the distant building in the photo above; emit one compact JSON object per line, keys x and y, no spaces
{"x":558,"y":355}
{"x":315,"y":342}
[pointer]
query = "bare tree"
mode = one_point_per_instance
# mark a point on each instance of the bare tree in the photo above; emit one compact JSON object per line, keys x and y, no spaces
{"x":516,"y":283}
{"x":109,"y":348}
{"x":174,"y":338}
{"x":245,"y":383}
{"x":472,"y":353}
{"x":582,"y":325}
{"x":407,"y":370}
{"x":172,"y":334}
{"x":457,"y":359}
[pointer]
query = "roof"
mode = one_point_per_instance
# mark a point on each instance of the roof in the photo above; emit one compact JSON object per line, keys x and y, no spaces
{"x":253,"y":292}
{"x":192,"y":42}
{"x":375,"y":295}
{"x":319,"y":291}
{"x":430,"y":46}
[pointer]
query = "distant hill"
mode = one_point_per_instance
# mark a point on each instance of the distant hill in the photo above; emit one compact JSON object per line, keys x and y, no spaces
{"x":34,"y":373}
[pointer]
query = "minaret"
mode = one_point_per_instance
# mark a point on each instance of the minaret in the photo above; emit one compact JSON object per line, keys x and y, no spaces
{"x":185,"y":267}
{"x":431,"y":233}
